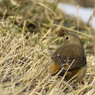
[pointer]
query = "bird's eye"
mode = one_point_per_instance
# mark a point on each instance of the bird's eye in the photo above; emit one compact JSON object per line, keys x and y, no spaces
{"x":67,"y":38}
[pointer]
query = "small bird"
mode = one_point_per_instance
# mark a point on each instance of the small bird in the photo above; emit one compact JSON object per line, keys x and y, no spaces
{"x":71,"y":52}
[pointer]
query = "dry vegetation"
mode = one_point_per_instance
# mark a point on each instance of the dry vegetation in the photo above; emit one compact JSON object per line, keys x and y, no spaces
{"x":27,"y":41}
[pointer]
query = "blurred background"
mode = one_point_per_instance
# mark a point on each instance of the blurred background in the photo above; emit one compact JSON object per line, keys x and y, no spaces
{"x":83,"y":3}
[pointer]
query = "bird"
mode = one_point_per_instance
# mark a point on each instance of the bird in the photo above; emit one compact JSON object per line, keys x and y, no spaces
{"x":69,"y":56}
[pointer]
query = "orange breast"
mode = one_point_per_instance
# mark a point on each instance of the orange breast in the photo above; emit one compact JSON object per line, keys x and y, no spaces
{"x":53,"y":68}
{"x":78,"y":72}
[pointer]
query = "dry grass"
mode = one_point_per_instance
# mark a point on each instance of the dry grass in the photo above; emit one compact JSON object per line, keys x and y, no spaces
{"x":27,"y":41}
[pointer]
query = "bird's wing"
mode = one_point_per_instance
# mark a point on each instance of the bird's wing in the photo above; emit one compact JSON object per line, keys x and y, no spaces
{"x":61,"y":61}
{"x":79,"y":62}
